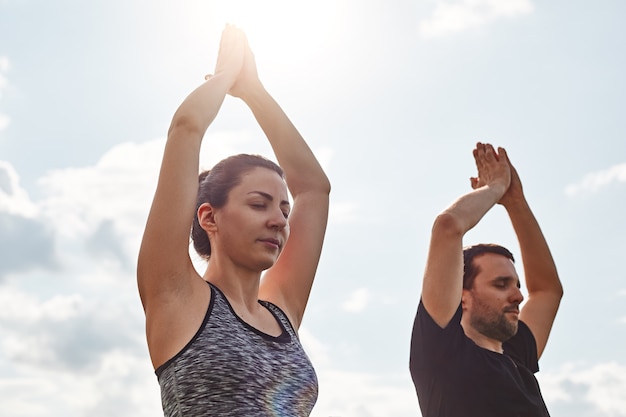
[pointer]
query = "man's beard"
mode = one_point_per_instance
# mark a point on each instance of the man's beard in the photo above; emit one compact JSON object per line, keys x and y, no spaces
{"x":493,"y":324}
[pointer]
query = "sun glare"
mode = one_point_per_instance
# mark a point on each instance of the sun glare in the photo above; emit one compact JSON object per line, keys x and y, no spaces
{"x":278,"y":30}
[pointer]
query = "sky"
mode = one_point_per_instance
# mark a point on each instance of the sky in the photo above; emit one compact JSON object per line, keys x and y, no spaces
{"x":391,"y":96}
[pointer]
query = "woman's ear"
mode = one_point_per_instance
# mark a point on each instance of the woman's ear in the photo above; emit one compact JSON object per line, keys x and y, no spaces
{"x":206,"y":217}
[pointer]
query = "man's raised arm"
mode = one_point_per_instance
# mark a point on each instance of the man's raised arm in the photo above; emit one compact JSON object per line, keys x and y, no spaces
{"x":443,"y":277}
{"x":542,"y":280}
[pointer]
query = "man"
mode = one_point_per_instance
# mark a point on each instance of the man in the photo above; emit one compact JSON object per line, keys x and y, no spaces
{"x":474,"y":351}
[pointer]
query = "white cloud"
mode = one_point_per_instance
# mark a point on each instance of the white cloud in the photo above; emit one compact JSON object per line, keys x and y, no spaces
{"x":600,"y":387}
{"x":26,"y":308}
{"x":595,"y":181}
{"x":68,"y":332}
{"x":357,"y":301}
{"x":19,"y":218}
{"x":456,"y":16}
{"x":348,"y":393}
{"x":14,"y":200}
{"x":359,"y":394}
{"x":118,"y":188}
{"x":21,"y":396}
{"x":317,"y":351}
{"x":122,"y":384}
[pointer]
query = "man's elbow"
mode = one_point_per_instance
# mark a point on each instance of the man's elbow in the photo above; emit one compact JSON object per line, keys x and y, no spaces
{"x":556,"y":288}
{"x":448,"y":225}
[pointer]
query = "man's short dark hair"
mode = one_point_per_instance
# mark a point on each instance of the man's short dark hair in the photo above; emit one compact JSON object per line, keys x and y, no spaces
{"x":470,"y":252}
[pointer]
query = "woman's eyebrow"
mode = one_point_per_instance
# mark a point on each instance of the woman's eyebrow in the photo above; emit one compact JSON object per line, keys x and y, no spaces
{"x":268,"y":197}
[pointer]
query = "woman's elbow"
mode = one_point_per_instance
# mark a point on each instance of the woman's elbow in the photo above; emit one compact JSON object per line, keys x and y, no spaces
{"x":183,"y":125}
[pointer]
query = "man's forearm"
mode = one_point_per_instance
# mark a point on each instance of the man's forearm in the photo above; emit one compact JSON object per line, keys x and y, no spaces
{"x":539,"y":267}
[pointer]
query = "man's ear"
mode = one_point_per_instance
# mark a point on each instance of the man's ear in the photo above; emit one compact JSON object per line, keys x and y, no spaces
{"x":465,"y":298}
{"x":206,"y":217}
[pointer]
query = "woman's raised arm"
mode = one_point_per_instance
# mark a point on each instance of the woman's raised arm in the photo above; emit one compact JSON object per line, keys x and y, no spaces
{"x":288,"y":283}
{"x":164,"y":267}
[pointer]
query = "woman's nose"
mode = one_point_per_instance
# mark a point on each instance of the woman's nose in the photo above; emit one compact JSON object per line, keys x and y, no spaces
{"x":278,"y":219}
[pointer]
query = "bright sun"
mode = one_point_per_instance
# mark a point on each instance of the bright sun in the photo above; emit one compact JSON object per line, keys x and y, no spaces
{"x":277,"y":29}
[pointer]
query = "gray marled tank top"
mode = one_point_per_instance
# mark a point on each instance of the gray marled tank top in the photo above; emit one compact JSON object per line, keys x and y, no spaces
{"x":229,"y":368}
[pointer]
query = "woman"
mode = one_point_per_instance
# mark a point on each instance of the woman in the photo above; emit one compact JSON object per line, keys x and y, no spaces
{"x":216,"y":348}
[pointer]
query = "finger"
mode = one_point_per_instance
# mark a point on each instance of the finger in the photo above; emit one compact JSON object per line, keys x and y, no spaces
{"x":490,"y":152}
{"x":485,"y":154}
{"x":503,"y":153}
{"x":478,"y":158}
{"x":508,"y":161}
{"x":230,"y":38}
{"x":479,"y":148}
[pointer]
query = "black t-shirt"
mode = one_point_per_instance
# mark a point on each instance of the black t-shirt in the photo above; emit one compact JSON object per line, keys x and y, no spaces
{"x":454,"y":377}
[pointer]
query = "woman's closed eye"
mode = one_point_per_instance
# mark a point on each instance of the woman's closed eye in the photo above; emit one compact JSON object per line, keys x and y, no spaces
{"x":263,"y":206}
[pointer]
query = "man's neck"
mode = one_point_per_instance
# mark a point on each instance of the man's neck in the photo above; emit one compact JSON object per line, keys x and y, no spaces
{"x":480,"y":339}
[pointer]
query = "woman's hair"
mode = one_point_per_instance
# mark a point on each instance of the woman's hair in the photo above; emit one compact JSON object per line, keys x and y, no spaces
{"x":470,"y":270}
{"x":214,"y":186}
